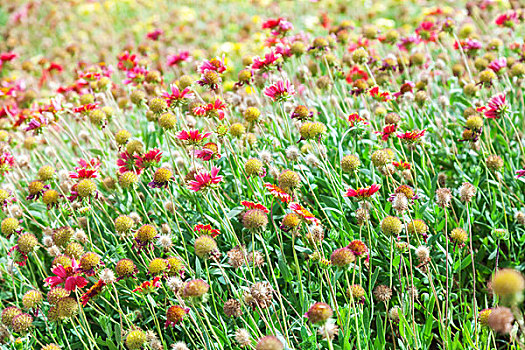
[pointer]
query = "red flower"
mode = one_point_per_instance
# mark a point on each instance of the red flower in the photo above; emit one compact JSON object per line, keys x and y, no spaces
{"x":496,"y":108}
{"x":265,"y":63}
{"x":402,"y":165}
{"x":193,"y":136}
{"x":508,"y":19}
{"x":204,"y":179}
{"x":363,"y":193}
{"x":355,"y":118}
{"x":411,"y":136}
{"x":278,"y":26}
{"x":356,"y":73}
{"x":211,"y":109}
{"x":387,"y":131}
{"x":69,"y":275}
{"x":304,"y":213}
{"x":175,"y":314}
{"x":127,"y":61}
{"x":498,"y":64}
{"x":86,"y":170}
{"x":358,"y":247}
{"x":251,"y":205}
{"x":379,"y":96}
{"x":278,"y":193}
{"x":6,"y":162}
{"x":176,"y":96}
{"x":208,"y":152}
{"x":86,"y":107}
{"x":154,"y":35}
{"x":93,"y":291}
{"x":148,"y":286}
{"x":152,"y":158}
{"x":206,"y":230}
{"x":280,"y":91}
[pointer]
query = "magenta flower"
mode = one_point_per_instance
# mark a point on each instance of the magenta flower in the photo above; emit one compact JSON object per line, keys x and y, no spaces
{"x":176,"y":97}
{"x":497,"y":107}
{"x":6,"y":162}
{"x":280,"y":91}
{"x":498,"y":64}
{"x":177,"y":58}
{"x":203,"y":179}
{"x":520,"y":173}
{"x":68,"y":275}
{"x":193,"y":136}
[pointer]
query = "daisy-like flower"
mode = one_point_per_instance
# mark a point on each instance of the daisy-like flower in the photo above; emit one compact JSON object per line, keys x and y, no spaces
{"x":206,"y":230}
{"x":86,"y":169}
{"x":278,"y":193}
{"x":402,"y":165}
{"x":265,"y":63}
{"x":192,"y":137}
{"x":355,"y":74}
{"x":215,"y":64}
{"x":355,"y":118}
{"x":358,"y":247}
{"x":161,"y":178}
{"x":174,"y":60}
{"x":7,"y":161}
{"x":175,"y":314}
{"x":251,"y":205}
{"x":135,"y":75}
{"x":148,"y":286}
{"x":177,"y":97}
{"x":411,"y":136}
{"x":205,"y":180}
{"x":496,"y":107}
{"x":520,"y":173}
{"x":149,"y":159}
{"x":468,"y":45}
{"x":215,"y":109}
{"x":67,"y":275}
{"x":388,"y":130}
{"x":304,"y":213}
{"x":498,"y":64}
{"x":362,"y":193}
{"x":377,"y":95}
{"x":126,"y":61}
{"x":37,"y":124}
{"x":155,"y":34}
{"x":86,"y":108}
{"x":280,"y":91}
{"x":508,"y":19}
{"x":93,"y":291}
{"x":208,"y":152}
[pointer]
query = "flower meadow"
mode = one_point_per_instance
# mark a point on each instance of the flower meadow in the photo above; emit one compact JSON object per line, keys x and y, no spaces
{"x":262,"y":175}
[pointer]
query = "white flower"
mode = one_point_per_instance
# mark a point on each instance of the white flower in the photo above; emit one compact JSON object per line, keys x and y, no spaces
{"x":107,"y":276}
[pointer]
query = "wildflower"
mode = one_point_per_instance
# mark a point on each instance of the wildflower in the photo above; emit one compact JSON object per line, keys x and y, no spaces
{"x":203,"y":180}
{"x":22,"y":322}
{"x":242,"y":337}
{"x":148,"y":159}
{"x":215,"y":109}
{"x":391,"y":225}
{"x":161,"y":178}
{"x":483,"y":316}
{"x":319,"y":313}
{"x":148,"y":286}
{"x":32,"y":299}
{"x":145,"y":235}
{"x":501,"y":320}
{"x":215,"y":64}
{"x":342,"y":257}
{"x":496,"y":107}
{"x":355,"y":119}
{"x":175,"y":314}
{"x":204,"y":246}
{"x":9,"y":226}
{"x":254,"y":166}
{"x":411,"y":137}
{"x":195,"y":288}
{"x":278,"y":193}
{"x":67,"y":275}
{"x":86,"y":169}
{"x":303,"y":213}
{"x":302,"y":113}
{"x":467,"y":191}
{"x":494,"y":162}
{"x":388,"y":130}
{"x":508,"y":19}
{"x":93,"y":291}
{"x":36,"y":189}
{"x":251,"y":114}
{"x":362,"y":193}
{"x":269,"y":342}
{"x":210,"y":78}
{"x":417,"y":226}
{"x":135,"y":339}
{"x":356,"y":293}
{"x":192,"y":137}
{"x":507,"y":283}
{"x":290,"y":221}
{"x":255,"y":219}
{"x":382,"y":293}
{"x":280,"y":91}
{"x":174,"y":60}
{"x":459,"y":236}
{"x":206,"y":230}
{"x":520,"y":173}
{"x":208,"y":152}
{"x":125,"y":268}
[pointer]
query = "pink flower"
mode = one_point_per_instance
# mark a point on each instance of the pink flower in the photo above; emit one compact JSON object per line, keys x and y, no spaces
{"x":154,"y":35}
{"x":215,"y":109}
{"x":496,"y":107}
{"x":411,"y":136}
{"x":86,"y":170}
{"x":363,"y":193}
{"x":508,"y":19}
{"x":86,"y":107}
{"x":176,"y":96}
{"x":520,"y":173}
{"x":214,"y":64}
{"x":498,"y":64}
{"x":204,"y":179}
{"x":388,"y":130}
{"x":193,"y":136}
{"x":265,"y":63}
{"x":177,"y":58}
{"x":151,"y":158}
{"x":69,"y":275}
{"x":280,"y":91}
{"x":6,"y":162}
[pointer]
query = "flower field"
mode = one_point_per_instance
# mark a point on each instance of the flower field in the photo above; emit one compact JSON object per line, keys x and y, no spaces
{"x":262,"y":175}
